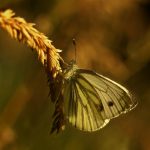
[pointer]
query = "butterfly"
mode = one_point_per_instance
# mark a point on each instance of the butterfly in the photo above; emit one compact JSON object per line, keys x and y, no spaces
{"x":91,"y":99}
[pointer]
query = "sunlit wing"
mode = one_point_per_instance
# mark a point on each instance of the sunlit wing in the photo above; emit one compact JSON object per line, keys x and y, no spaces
{"x":81,"y":106}
{"x":111,"y":93}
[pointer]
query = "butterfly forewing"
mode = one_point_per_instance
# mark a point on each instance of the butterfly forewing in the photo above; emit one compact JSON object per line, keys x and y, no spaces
{"x":113,"y":93}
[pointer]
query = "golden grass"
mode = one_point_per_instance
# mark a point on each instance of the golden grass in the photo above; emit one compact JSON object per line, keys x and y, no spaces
{"x":24,"y":32}
{"x":49,"y":56}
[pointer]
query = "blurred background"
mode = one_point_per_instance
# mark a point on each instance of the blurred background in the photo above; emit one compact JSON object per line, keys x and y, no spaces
{"x":113,"y":38}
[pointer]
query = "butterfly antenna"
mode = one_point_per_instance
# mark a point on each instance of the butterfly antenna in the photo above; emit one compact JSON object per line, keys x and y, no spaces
{"x":75,"y":49}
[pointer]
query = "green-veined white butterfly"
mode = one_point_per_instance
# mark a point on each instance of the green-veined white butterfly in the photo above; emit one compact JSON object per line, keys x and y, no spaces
{"x":91,"y":100}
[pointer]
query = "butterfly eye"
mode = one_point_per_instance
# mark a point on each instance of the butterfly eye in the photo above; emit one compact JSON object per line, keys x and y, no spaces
{"x":101,"y":108}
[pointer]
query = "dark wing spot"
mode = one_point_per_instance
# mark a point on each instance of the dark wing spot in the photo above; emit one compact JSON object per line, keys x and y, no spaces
{"x":110,"y":103}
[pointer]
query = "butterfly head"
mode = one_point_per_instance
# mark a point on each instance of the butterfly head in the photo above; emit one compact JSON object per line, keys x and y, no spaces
{"x":70,"y":71}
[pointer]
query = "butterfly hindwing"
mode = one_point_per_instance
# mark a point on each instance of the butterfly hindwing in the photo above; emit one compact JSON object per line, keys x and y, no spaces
{"x":83,"y":105}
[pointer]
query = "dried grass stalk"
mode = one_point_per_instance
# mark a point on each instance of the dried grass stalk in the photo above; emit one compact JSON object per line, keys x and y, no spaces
{"x":24,"y":32}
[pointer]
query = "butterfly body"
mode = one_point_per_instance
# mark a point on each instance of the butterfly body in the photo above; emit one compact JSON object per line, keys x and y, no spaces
{"x":91,"y":100}
{"x":70,"y":72}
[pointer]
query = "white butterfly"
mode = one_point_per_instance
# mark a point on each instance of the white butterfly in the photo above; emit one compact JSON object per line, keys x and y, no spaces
{"x":91,"y":100}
